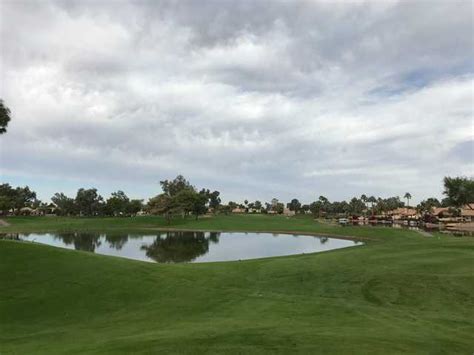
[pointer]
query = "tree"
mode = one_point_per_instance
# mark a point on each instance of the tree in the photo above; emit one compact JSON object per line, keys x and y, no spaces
{"x":134,"y":206}
{"x":189,"y":201}
{"x":214,"y":200}
{"x":279,"y":208}
{"x":408,"y":197}
{"x":445,"y":202}
{"x":65,"y":205}
{"x":428,"y":204}
{"x":161,"y":204}
{"x":305,"y":208}
{"x":459,"y":191}
{"x":5,"y":204}
{"x":7,"y":198}
{"x":315,"y":208}
{"x":294,"y":205}
{"x":323,"y":200}
{"x":225,"y":209}
{"x":23,"y":197}
{"x":14,"y":199}
{"x":392,"y":203}
{"x":200,"y":201}
{"x":338,"y":207}
{"x":118,"y":203}
{"x":180,"y":197}
{"x":88,"y":202}
{"x":172,"y":188}
{"x":274,"y":202}
{"x":257,"y":205}
{"x":356,"y":206}
{"x":4,"y":117}
{"x":372,"y":200}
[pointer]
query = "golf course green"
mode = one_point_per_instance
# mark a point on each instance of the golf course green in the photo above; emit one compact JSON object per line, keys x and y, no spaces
{"x":399,"y":292}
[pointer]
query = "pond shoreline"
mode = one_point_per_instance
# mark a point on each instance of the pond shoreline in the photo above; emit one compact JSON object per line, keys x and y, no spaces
{"x":183,"y":246}
{"x":288,"y":232}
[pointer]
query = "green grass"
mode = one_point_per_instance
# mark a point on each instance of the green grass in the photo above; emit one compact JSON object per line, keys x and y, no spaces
{"x":399,"y":293}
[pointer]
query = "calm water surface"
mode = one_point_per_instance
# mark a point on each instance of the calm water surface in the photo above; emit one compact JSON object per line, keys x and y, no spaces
{"x":196,"y":247}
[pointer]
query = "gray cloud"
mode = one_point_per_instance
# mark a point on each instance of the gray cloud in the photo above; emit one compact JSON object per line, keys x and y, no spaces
{"x":257,"y":99}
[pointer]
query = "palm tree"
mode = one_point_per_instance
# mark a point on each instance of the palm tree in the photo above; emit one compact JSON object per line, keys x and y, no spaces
{"x":372,"y":200}
{"x":408,"y":197}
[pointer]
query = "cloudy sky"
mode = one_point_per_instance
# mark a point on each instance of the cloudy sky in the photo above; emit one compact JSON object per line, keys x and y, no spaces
{"x":257,"y":99}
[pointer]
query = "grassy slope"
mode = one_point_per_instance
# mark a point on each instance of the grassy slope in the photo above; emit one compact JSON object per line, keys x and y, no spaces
{"x":400,"y":292}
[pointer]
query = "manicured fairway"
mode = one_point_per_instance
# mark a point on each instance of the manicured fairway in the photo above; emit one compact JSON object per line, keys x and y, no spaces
{"x":399,"y":293}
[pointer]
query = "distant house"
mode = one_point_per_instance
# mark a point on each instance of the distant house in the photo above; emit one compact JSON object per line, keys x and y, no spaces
{"x":287,"y":212}
{"x":238,"y":210}
{"x":441,"y":212}
{"x":403,"y":213}
{"x":26,"y":211}
{"x":467,"y":212}
{"x":37,"y":212}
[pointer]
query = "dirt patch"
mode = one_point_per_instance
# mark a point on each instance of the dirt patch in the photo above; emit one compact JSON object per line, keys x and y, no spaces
{"x":4,"y":223}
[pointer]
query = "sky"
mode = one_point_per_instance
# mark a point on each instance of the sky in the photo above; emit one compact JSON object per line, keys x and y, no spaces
{"x":256,"y":99}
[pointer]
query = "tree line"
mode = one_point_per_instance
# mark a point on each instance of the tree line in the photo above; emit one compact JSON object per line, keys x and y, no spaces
{"x":180,"y":198}
{"x":87,"y":202}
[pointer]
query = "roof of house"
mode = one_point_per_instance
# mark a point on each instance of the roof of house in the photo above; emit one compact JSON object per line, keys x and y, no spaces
{"x":404,"y":211}
{"x":238,"y":210}
{"x":438,"y":210}
{"x":467,"y":212}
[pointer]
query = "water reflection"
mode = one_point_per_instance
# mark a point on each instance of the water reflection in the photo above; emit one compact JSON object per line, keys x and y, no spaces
{"x":189,"y":246}
{"x":86,"y":241}
{"x":116,"y":241}
{"x":178,"y":247}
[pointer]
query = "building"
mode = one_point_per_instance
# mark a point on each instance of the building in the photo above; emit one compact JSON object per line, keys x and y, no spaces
{"x":441,"y":212}
{"x":238,"y":210}
{"x":403,"y":213}
{"x":26,"y":211}
{"x":467,"y":213}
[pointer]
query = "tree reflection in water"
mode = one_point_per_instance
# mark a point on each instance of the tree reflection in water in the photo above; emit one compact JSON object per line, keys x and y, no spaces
{"x":183,"y":246}
{"x":323,"y":240}
{"x":12,"y":236}
{"x":86,"y":241}
{"x":170,"y":247}
{"x":176,"y":247}
{"x":116,"y":241}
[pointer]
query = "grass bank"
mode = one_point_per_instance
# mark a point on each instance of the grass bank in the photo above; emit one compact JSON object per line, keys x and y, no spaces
{"x":400,"y":292}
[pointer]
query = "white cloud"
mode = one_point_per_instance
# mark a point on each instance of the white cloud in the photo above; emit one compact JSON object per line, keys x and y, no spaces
{"x":299,"y":100}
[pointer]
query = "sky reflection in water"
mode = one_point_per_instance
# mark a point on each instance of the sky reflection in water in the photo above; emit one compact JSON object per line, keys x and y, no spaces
{"x":177,"y":247}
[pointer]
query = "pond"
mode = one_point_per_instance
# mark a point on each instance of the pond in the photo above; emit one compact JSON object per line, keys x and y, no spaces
{"x":195,"y":247}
